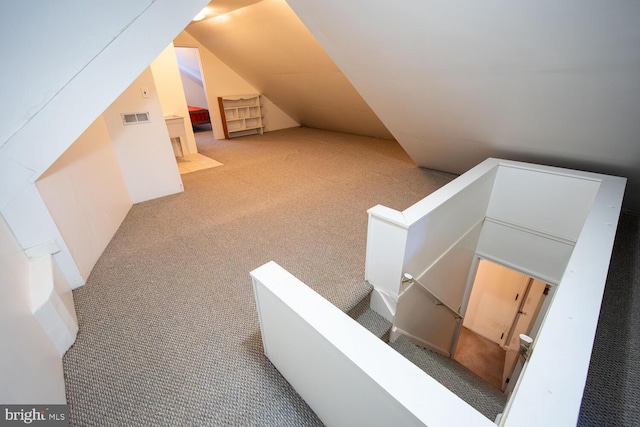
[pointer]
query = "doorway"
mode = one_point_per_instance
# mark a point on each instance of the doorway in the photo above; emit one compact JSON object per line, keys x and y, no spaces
{"x":503,"y":304}
{"x":191,"y":76}
{"x":193,"y":84}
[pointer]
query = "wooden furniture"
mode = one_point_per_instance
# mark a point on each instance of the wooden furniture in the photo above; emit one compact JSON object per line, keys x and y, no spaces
{"x":241,"y":115}
{"x":175,"y":126}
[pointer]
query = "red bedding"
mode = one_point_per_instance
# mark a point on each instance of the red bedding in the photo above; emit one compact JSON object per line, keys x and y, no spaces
{"x":198,"y":115}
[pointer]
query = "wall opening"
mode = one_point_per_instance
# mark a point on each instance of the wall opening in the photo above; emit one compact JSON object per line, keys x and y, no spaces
{"x":503,"y":304}
{"x":194,"y":87}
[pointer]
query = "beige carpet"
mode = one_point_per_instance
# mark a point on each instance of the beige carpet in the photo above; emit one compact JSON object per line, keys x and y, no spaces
{"x":481,"y":356}
{"x":168,"y":329}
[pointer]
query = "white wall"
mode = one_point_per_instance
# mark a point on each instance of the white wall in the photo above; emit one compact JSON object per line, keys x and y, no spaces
{"x":457,"y":82}
{"x":168,"y":83}
{"x":535,"y":217}
{"x":52,"y":302}
{"x":347,"y":375}
{"x":537,"y":255}
{"x":30,"y":366}
{"x":193,"y":91}
{"x":191,"y":76}
{"x":414,"y":240}
{"x":69,"y":62}
{"x":220,"y":80}
{"x":144,"y":151}
{"x":440,"y":247}
{"x":73,"y":86}
{"x":67,"y":90}
{"x":268,"y":45}
{"x":552,"y":202}
{"x":553,"y":378}
{"x":40,"y":57}
{"x":86,"y":195}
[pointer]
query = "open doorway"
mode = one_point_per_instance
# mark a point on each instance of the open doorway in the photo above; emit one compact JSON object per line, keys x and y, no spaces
{"x":503,"y":304}
{"x":193,"y":84}
{"x":195,"y":93}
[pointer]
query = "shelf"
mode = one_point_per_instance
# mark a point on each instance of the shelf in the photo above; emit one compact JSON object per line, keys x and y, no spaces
{"x":241,"y":115}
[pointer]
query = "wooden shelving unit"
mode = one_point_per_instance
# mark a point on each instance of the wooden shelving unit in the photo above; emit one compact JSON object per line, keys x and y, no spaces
{"x":241,"y":115}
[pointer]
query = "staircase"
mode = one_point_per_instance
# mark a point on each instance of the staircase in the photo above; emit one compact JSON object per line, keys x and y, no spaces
{"x":482,"y":396}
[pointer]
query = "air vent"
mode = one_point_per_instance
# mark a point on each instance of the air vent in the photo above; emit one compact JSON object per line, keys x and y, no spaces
{"x":135,"y":118}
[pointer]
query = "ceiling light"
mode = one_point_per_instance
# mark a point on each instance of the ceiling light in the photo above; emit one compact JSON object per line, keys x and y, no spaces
{"x":199,"y":17}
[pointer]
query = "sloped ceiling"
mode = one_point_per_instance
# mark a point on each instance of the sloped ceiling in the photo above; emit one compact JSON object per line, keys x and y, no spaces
{"x":454,"y":82}
{"x":268,"y":46}
{"x":188,"y":63}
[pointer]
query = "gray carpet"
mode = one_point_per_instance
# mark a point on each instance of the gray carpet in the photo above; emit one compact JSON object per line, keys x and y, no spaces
{"x":482,"y":396}
{"x":168,"y":330}
{"x":612,"y":392}
{"x":486,"y":399}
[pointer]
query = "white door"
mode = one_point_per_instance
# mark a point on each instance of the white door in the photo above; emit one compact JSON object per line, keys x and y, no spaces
{"x":494,"y":301}
{"x":525,"y":318}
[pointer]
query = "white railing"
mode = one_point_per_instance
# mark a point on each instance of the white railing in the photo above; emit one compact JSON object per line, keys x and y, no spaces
{"x":554,"y":224}
{"x":350,"y":377}
{"x":347,"y":375}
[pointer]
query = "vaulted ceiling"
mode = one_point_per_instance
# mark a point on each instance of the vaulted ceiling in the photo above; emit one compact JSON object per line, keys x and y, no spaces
{"x":452,"y":82}
{"x":270,"y":48}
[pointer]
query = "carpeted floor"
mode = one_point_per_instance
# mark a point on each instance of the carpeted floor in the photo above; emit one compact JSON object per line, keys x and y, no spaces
{"x":168,"y":329}
{"x":485,"y":398}
{"x":612,"y":391}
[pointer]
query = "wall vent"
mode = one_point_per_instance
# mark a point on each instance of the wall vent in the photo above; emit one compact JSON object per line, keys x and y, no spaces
{"x":135,"y":118}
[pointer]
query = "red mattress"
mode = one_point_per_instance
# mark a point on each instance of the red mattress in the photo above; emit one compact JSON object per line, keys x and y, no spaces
{"x":199,"y":115}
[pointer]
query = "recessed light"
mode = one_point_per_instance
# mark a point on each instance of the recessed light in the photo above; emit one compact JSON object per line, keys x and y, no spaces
{"x":199,"y":17}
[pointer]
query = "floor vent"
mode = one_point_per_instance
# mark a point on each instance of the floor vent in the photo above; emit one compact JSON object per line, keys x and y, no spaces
{"x":135,"y":118}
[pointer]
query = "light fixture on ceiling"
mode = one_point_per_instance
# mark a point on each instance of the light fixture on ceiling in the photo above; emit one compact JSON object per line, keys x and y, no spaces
{"x":199,"y":17}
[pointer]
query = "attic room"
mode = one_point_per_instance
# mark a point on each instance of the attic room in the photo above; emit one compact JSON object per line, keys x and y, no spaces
{"x":431,"y":89}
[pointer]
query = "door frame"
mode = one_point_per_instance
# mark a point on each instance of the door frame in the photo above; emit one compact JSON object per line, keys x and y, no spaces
{"x":537,"y":323}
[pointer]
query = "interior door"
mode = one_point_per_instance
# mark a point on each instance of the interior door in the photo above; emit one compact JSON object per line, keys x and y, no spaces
{"x":495,"y":300}
{"x":527,"y":314}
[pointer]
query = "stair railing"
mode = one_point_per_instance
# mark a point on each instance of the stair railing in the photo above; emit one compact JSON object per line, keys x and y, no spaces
{"x":408,"y":278}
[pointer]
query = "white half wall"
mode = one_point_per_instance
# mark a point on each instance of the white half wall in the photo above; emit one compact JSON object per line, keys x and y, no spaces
{"x":52,"y":303}
{"x":144,"y":151}
{"x":347,"y":375}
{"x":550,"y":387}
{"x":220,"y":80}
{"x":549,"y":390}
{"x":414,"y":240}
{"x":30,"y":366}
{"x":86,"y":195}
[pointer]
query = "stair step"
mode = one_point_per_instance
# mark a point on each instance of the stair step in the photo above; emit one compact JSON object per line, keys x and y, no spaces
{"x":376,"y":324}
{"x":484,"y":397}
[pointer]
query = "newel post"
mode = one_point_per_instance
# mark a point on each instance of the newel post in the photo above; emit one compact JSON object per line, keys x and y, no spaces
{"x":386,"y":243}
